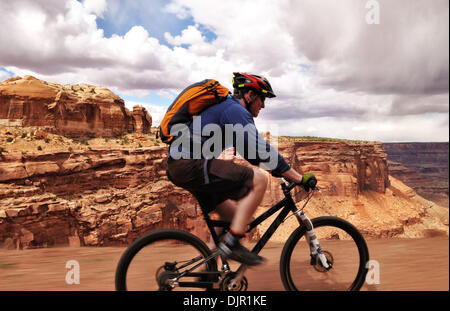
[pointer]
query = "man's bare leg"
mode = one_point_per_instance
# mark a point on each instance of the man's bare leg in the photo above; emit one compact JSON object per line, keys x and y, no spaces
{"x":243,"y":211}
{"x":240,"y":213}
{"x":226,"y":210}
{"x":247,"y":206}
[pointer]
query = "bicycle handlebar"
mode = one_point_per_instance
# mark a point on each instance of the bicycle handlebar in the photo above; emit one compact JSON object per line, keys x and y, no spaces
{"x":289,"y":184}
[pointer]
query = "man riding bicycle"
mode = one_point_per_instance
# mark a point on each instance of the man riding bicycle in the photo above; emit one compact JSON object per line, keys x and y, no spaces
{"x":233,"y":191}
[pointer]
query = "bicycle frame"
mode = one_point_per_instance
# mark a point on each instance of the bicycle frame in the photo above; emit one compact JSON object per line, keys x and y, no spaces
{"x":286,"y":205}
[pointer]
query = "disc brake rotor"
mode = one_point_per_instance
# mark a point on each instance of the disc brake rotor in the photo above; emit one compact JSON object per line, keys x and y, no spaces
{"x":319,"y":267}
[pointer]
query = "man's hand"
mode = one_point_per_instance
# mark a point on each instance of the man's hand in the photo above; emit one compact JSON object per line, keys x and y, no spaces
{"x":309,"y":181}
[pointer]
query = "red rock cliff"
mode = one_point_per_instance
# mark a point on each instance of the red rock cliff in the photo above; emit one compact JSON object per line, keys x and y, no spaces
{"x":343,"y":169}
{"x":70,"y":110}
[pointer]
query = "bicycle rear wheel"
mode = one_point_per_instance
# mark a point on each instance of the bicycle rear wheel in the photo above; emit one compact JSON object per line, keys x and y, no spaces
{"x":152,"y":260}
{"x":343,"y":246}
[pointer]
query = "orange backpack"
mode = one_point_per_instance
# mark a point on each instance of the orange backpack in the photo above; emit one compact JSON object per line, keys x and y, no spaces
{"x":191,"y":102}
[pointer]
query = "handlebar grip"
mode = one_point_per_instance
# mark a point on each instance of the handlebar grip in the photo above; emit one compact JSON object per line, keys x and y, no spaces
{"x":290,"y":184}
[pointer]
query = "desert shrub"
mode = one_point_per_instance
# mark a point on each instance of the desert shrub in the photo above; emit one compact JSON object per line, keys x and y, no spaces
{"x":84,"y":141}
{"x":9,"y":139}
{"x":39,"y":148}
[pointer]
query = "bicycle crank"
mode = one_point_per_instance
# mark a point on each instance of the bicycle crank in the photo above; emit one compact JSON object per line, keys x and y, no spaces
{"x":228,"y":285}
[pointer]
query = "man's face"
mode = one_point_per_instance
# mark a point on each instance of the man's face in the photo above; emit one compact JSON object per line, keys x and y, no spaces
{"x":257,"y":104}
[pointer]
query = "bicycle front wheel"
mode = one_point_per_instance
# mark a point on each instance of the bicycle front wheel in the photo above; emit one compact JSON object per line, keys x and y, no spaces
{"x":151,"y":261}
{"x":343,"y":246}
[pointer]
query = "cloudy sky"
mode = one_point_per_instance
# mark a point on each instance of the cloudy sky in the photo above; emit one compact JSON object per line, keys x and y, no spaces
{"x":356,"y":69}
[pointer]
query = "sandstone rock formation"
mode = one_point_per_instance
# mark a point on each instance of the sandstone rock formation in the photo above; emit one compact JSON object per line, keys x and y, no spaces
{"x":70,"y":110}
{"x":422,"y":166}
{"x":91,"y":198}
{"x":142,"y":121}
{"x":110,"y":197}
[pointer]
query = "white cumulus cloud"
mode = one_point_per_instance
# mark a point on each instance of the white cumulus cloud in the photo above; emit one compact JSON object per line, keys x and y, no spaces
{"x":333,"y":73}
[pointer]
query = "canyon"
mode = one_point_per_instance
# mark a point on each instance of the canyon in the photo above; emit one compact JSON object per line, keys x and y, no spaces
{"x":77,"y":168}
{"x":422,"y":166}
{"x":109,"y":197}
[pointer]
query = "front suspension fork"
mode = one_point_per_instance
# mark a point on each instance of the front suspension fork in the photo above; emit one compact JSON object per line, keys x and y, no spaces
{"x":311,"y":238}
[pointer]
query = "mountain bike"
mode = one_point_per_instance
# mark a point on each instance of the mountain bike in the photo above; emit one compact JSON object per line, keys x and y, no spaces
{"x":171,"y":259}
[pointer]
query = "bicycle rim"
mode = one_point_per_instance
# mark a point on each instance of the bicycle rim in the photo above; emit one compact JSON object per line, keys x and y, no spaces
{"x":343,"y":246}
{"x":151,"y":261}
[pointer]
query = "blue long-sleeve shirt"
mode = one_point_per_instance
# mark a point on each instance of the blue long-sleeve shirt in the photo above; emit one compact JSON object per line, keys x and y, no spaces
{"x":222,"y":126}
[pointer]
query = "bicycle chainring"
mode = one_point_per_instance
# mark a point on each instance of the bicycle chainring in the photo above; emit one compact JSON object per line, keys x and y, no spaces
{"x":225,"y":284}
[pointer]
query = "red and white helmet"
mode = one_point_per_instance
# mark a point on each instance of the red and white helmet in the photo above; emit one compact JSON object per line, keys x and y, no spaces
{"x":260,"y":84}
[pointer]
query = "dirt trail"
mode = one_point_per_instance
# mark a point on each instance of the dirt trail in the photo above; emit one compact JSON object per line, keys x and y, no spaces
{"x":405,"y":265}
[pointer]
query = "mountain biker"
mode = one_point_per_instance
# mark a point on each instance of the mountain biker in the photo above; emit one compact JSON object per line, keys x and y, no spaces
{"x":233,"y":191}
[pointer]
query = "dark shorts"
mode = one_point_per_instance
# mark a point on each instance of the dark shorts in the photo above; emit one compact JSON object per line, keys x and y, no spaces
{"x":211,"y":181}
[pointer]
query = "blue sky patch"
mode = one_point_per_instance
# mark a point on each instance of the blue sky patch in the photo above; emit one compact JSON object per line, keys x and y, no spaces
{"x":122,"y":15}
{"x":9,"y":73}
{"x":153,"y":99}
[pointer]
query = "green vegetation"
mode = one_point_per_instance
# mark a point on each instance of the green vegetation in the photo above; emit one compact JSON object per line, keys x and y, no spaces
{"x":9,"y":139}
{"x":320,"y":139}
{"x":124,"y":140}
{"x":39,"y":148}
